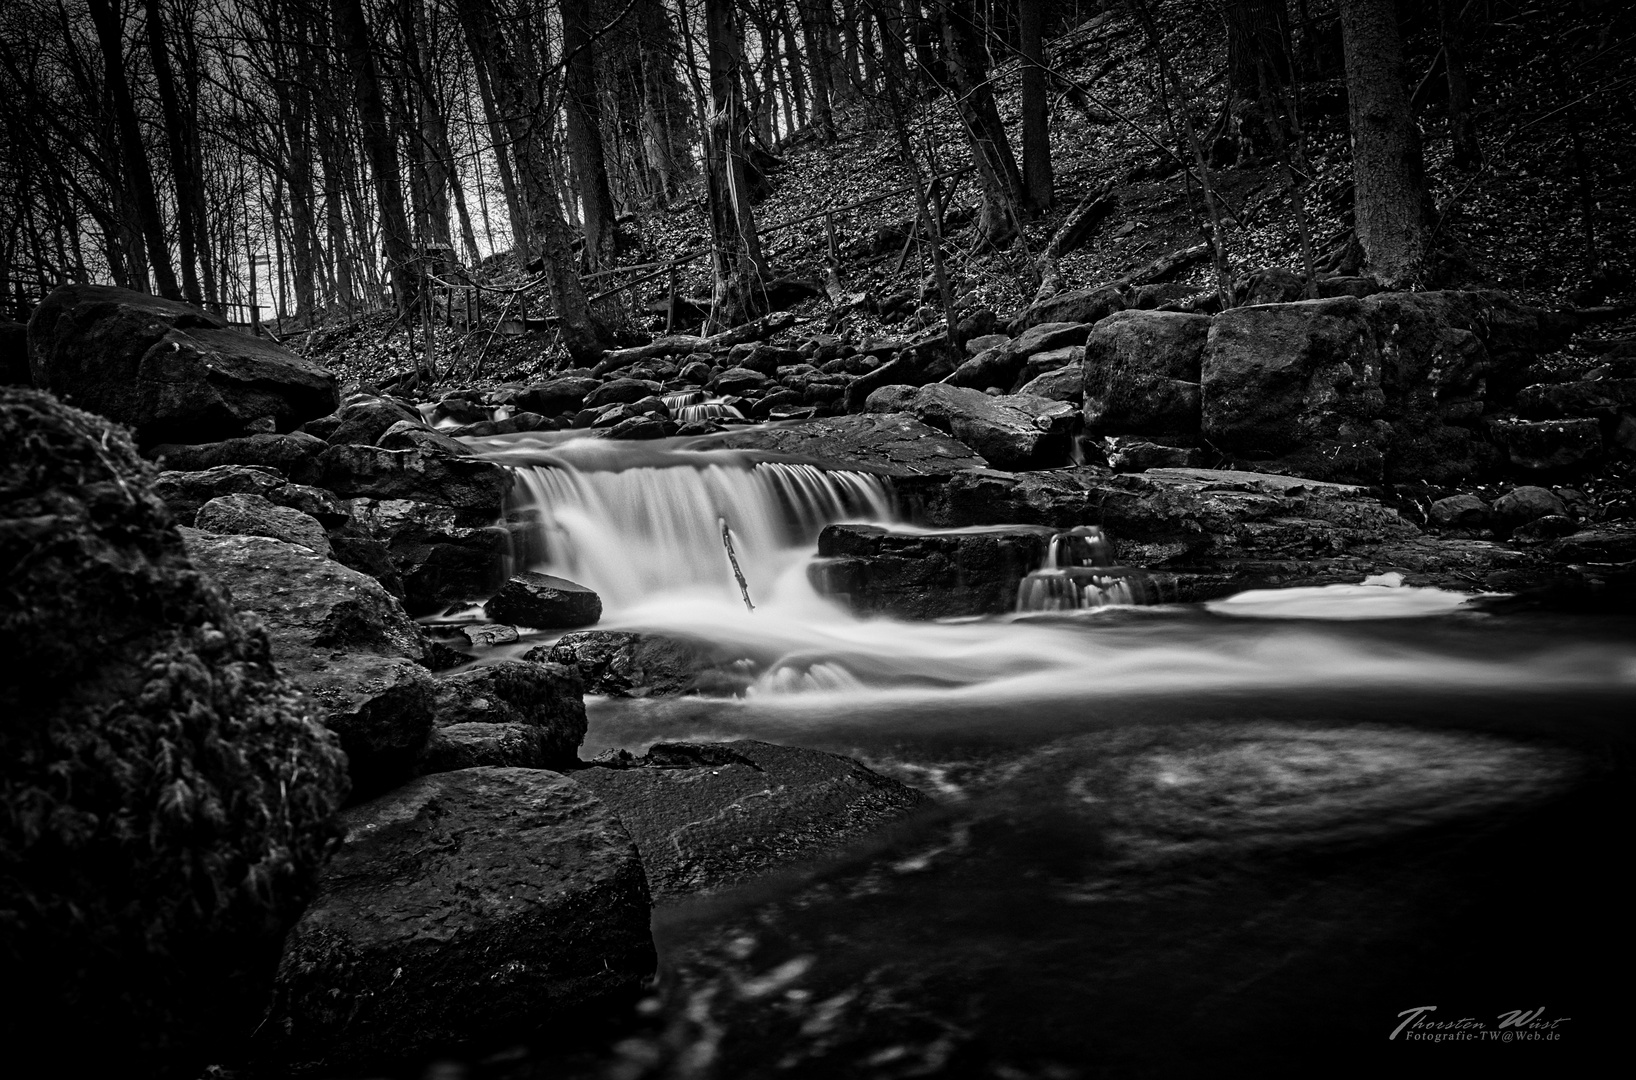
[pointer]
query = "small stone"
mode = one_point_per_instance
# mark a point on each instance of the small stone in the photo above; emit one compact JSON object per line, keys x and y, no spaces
{"x":1549,"y":527}
{"x":544,"y":602}
{"x":488,"y":635}
{"x":1527,"y":503}
{"x":1459,"y":512}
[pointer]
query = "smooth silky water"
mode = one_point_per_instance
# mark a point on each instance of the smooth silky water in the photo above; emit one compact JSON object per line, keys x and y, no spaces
{"x":1260,"y":828}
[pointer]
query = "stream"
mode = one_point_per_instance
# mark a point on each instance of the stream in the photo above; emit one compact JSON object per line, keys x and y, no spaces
{"x":1258,"y":829}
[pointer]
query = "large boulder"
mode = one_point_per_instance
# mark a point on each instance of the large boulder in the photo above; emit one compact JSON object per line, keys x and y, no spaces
{"x":170,"y":371}
{"x":165,"y":797}
{"x":366,"y":417}
{"x":712,"y":815}
{"x":1141,"y":373}
{"x":442,"y":554}
{"x":343,"y":639}
{"x":544,"y":602}
{"x":464,"y":907}
{"x":1010,"y":431}
{"x":1281,"y":377}
{"x":959,"y":572}
{"x":422,"y":475}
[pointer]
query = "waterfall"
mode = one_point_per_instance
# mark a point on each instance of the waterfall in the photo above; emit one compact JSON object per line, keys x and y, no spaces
{"x":635,"y":531}
{"x":1077,"y":573}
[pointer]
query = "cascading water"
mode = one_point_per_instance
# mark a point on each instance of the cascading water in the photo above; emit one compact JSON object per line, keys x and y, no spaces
{"x":1343,"y":789}
{"x":650,"y":525}
{"x":1078,"y":574}
{"x":694,"y":405}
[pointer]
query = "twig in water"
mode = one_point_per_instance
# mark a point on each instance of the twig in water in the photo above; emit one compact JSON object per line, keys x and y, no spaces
{"x":732,"y":557}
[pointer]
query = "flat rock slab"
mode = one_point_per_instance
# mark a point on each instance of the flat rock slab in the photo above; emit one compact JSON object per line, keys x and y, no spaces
{"x":471,"y":904}
{"x":709,"y":815}
{"x":892,"y":444}
{"x":927,"y":575}
{"x":619,"y":663}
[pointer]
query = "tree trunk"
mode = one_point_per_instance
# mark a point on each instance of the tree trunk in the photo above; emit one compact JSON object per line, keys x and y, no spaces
{"x":585,"y":134}
{"x":516,"y":212}
{"x":150,"y":226}
{"x":177,"y":127}
{"x":381,"y":147}
{"x":1036,"y":131}
{"x":740,"y":270}
{"x":996,"y":165}
{"x":583,"y":335}
{"x":813,"y":31}
{"x":1390,"y":200}
{"x":1468,"y":154}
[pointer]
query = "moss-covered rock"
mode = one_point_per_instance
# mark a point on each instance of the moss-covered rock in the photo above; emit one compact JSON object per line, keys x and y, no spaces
{"x":164,"y":800}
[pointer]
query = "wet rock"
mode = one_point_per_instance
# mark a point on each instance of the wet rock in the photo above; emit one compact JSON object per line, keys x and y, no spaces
{"x":443,"y":554}
{"x":1524,"y":504}
{"x":423,"y":475}
{"x":555,"y":397}
{"x":927,"y":575}
{"x":1142,"y":373}
{"x":713,"y":815}
{"x":1052,"y":360}
{"x":463,"y":906}
{"x":1460,"y":512}
{"x":477,"y":744}
{"x":739,"y":381}
{"x":1000,"y":365}
{"x":637,"y":428}
{"x":1065,"y":383}
{"x":1131,"y":455}
{"x":622,"y":664}
{"x":1545,"y":445}
{"x":186,"y":491}
{"x":294,"y":454}
{"x":984,"y":342}
{"x":366,"y":417}
{"x":253,"y":515}
{"x":616,"y":391}
{"x":170,"y":371}
{"x":893,"y":445}
{"x":340,"y":637}
{"x":488,"y":635}
{"x":164,"y":799}
{"x":1608,"y":544}
{"x":544,"y":602}
{"x":1010,"y":432}
{"x":543,"y":695}
{"x":415,"y":435}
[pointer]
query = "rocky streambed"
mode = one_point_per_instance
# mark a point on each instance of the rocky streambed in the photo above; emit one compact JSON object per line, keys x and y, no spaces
{"x":851,"y":839}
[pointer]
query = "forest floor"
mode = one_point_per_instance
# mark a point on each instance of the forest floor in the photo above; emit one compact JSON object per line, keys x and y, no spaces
{"x":1549,"y":216}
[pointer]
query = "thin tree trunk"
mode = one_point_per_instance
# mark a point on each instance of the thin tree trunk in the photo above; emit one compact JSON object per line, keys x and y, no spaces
{"x":500,"y":141}
{"x":138,"y":175}
{"x":176,"y":128}
{"x":381,"y":148}
{"x":813,"y":31}
{"x":997,"y":172}
{"x":583,"y":335}
{"x":584,"y":110}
